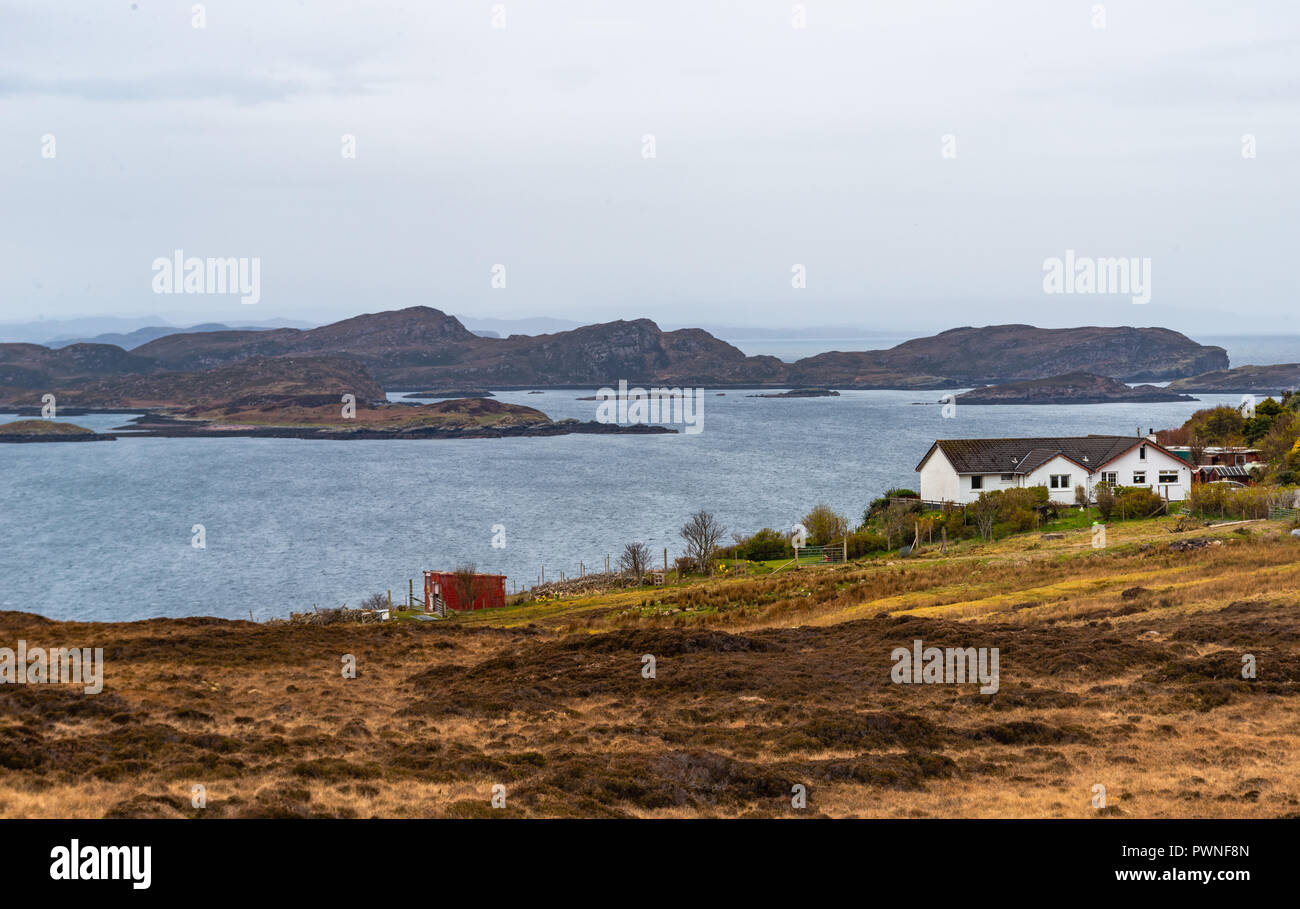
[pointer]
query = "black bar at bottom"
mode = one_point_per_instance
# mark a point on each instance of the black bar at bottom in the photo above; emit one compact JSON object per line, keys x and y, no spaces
{"x":637,"y":860}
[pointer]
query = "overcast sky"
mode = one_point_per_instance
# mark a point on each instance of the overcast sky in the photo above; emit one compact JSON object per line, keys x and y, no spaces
{"x":774,"y":146}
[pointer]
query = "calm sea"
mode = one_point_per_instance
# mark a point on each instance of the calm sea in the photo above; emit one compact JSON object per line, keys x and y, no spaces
{"x":103,"y":530}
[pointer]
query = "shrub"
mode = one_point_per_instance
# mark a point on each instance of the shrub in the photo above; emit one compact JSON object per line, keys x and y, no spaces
{"x":764,"y":545}
{"x":865,"y":542}
{"x":879,"y":505}
{"x":1222,"y":500}
{"x":1217,"y":425}
{"x":1137,"y":502}
{"x":1105,"y":495}
{"x":824,"y":525}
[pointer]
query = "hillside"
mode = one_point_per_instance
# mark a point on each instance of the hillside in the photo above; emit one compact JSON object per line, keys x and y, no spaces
{"x":1120,"y":666}
{"x":247,"y":382}
{"x":1076,"y":388}
{"x":1007,"y":352}
{"x":421,"y":347}
{"x":1243,"y":380}
{"x":31,"y":366}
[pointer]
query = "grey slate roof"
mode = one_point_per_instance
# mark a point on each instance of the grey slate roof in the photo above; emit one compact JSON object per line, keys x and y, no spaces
{"x":1021,"y":456}
{"x":1225,"y":470}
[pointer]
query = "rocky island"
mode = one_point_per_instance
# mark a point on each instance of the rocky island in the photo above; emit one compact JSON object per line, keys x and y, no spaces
{"x":49,"y":431}
{"x":1268,"y":380}
{"x":1075,"y":388}
{"x":801,"y":393}
{"x":419,"y":348}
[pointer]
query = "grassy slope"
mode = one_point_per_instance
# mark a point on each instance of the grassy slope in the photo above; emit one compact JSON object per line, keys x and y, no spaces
{"x":1057,"y":578}
{"x":43,"y":428}
{"x":1136,"y":689}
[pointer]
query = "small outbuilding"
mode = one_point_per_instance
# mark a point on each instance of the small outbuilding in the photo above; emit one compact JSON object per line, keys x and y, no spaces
{"x":445,"y":590}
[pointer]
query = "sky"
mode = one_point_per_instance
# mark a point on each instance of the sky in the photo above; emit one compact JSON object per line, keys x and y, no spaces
{"x":920,"y":160}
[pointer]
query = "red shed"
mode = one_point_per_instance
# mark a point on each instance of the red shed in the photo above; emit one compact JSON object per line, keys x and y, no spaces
{"x":487,"y":591}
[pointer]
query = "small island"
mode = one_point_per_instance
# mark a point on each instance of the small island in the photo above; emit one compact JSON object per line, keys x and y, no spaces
{"x":310,"y":417}
{"x":452,"y":393}
{"x":1075,"y":388}
{"x":48,"y":431}
{"x":801,"y":393}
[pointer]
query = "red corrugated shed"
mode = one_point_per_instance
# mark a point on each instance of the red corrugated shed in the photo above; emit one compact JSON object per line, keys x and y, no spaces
{"x":488,"y":590}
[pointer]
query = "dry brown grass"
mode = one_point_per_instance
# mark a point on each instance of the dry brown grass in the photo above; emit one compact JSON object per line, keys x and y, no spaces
{"x":1119,"y":667}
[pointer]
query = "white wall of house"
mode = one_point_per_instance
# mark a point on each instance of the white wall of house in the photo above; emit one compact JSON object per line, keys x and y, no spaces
{"x":943,"y":484}
{"x":1069,"y":475}
{"x":939,"y":482}
{"x":1149,"y":472}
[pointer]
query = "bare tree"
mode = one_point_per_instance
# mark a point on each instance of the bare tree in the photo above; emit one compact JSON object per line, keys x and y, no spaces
{"x":1196,"y":451}
{"x":985,"y":512}
{"x":702,"y":534}
{"x":464,"y":580}
{"x":635,"y":560}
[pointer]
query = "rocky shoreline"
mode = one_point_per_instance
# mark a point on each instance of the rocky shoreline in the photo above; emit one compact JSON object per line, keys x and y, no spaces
{"x":23,"y":438}
{"x":1075,"y":388}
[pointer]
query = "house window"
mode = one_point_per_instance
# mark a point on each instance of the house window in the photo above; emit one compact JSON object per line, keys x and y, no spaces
{"x":1110,"y":477}
{"x":1060,"y":481}
{"x":976,"y":482}
{"x":1008,"y":477}
{"x":1169,"y":476}
{"x":1142,"y":453}
{"x":1139,"y":478}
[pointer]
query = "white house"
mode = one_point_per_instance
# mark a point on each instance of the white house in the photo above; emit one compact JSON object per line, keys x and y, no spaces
{"x":958,"y":470}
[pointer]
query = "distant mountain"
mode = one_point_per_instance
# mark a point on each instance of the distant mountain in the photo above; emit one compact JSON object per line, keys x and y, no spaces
{"x":133,"y":339}
{"x":421,"y":347}
{"x":1243,"y":380}
{"x":1075,"y":388}
{"x":43,"y":331}
{"x":112,"y":330}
